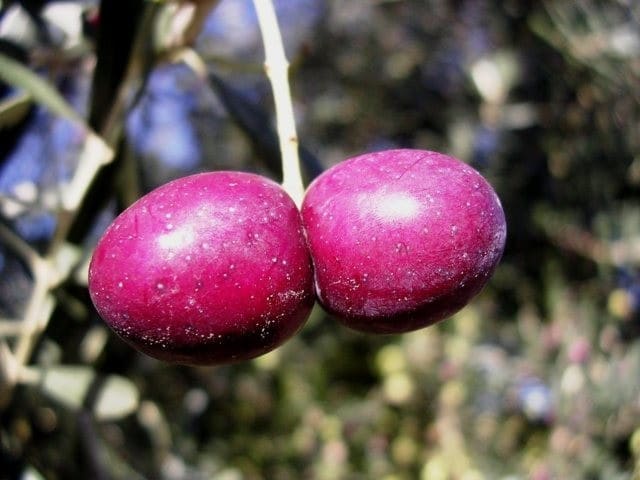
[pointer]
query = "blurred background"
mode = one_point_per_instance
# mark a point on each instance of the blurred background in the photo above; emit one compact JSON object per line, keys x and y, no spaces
{"x":539,"y":378}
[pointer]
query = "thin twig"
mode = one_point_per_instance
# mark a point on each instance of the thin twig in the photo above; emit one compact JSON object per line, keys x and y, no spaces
{"x":277,"y":70}
{"x":11,"y":328}
{"x":190,"y":58}
{"x":229,"y":64}
{"x":180,"y":23}
{"x":577,"y":240}
{"x":37,"y":315}
{"x":8,"y":371}
{"x":95,"y":154}
{"x":202,"y":10}
{"x":20,"y":247}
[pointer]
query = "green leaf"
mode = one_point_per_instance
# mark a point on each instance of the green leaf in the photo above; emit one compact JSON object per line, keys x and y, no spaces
{"x":19,"y":76}
{"x":117,"y":398}
{"x":30,"y":473}
{"x":14,"y":109}
{"x":69,"y":385}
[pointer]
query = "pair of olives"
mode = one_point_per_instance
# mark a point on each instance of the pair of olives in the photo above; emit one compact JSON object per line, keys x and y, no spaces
{"x":220,"y":267}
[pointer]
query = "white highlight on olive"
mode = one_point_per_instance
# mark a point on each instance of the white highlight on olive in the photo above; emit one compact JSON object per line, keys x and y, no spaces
{"x":178,"y":238}
{"x":394,"y":206}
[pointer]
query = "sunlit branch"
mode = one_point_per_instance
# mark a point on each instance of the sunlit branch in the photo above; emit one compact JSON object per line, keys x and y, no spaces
{"x":277,"y":70}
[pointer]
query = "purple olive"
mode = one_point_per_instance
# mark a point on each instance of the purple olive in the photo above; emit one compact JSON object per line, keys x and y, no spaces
{"x":401,"y":239}
{"x":210,"y":268}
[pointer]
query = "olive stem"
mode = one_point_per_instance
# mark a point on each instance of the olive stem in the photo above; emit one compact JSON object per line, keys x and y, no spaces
{"x":277,"y":70}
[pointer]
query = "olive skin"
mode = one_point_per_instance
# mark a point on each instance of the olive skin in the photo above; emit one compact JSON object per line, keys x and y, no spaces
{"x":401,"y":239}
{"x":207,"y":269}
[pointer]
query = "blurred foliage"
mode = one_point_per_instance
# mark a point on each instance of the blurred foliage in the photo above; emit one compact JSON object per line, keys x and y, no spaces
{"x":539,"y":378}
